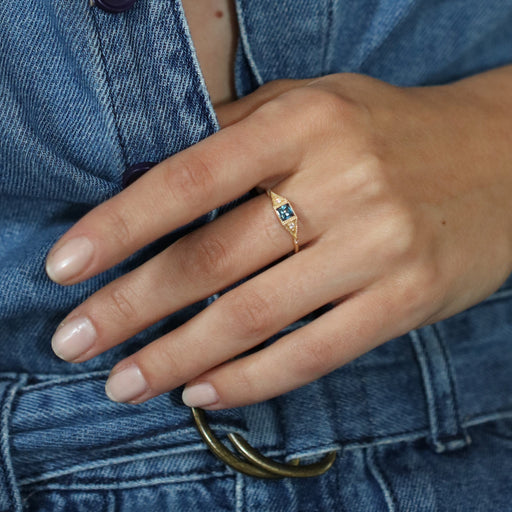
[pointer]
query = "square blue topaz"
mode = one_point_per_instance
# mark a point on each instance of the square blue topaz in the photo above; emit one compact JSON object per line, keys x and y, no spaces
{"x":285,"y":212}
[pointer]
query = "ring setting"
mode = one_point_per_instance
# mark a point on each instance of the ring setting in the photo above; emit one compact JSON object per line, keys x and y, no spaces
{"x":286,"y":216}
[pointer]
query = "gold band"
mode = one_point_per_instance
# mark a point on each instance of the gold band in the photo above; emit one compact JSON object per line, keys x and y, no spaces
{"x":286,"y":216}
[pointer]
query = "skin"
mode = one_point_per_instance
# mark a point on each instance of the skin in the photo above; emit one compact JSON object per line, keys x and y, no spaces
{"x":214,"y":31}
{"x":403,"y":200}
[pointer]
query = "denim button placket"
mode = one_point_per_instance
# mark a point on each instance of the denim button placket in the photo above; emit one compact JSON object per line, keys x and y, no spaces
{"x":114,"y":5}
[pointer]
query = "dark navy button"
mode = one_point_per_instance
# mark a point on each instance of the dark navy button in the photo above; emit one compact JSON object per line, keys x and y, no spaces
{"x":114,"y":5}
{"x":134,"y":172}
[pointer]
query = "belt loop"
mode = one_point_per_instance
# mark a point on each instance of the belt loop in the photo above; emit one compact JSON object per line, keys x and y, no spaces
{"x":446,"y":430}
{"x":10,"y":498}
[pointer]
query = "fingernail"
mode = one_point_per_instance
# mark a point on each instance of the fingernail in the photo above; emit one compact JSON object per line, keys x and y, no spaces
{"x":70,"y":259}
{"x":73,"y":338}
{"x":126,"y":384}
{"x":200,"y":395}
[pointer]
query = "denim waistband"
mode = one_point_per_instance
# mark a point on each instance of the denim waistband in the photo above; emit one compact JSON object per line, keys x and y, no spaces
{"x":433,"y":383}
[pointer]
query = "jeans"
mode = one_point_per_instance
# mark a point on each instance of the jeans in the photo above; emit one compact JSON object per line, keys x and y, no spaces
{"x":420,"y":423}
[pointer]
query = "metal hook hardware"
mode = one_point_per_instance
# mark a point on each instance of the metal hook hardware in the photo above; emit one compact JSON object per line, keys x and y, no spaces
{"x":256,"y":464}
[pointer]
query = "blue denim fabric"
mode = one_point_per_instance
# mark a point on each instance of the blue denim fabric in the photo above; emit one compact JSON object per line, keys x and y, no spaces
{"x":422,"y":423}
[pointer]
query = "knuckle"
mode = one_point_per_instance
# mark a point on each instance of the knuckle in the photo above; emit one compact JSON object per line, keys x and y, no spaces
{"x":315,"y":359}
{"x":250,"y":314}
{"x":399,"y":229}
{"x":211,"y":257}
{"x":202,"y":259}
{"x":122,"y":304}
{"x":243,"y":381}
{"x":190,"y":179}
{"x":119,"y":227}
{"x":366,"y":180}
{"x":161,"y":366}
{"x":325,"y":107}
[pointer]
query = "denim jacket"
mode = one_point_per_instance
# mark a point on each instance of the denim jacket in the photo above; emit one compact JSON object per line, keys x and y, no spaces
{"x":86,"y":94}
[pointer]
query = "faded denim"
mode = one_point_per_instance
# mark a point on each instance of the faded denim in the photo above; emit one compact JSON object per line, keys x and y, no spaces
{"x":422,"y":423}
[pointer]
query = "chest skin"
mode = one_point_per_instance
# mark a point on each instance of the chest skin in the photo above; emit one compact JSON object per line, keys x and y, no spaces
{"x":214,"y":31}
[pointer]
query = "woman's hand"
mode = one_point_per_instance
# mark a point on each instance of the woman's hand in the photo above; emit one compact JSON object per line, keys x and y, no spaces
{"x":403,"y":198}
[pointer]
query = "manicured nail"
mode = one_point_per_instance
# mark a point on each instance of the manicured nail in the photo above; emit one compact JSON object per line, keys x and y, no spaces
{"x":70,"y":259}
{"x":126,"y":385}
{"x":73,"y":338}
{"x":200,"y":395}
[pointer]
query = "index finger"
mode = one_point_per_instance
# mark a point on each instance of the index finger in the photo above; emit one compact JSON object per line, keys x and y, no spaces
{"x":178,"y":190}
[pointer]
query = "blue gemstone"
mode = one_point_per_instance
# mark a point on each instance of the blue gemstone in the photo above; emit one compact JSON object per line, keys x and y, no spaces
{"x":285,"y":211}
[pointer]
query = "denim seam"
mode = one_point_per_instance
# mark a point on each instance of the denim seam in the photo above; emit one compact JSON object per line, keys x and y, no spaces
{"x":8,"y":470}
{"x":364,"y":382}
{"x":64,"y":380}
{"x":111,"y":501}
{"x":245,"y":42}
{"x":108,"y":80}
{"x":455,"y":439}
{"x":312,"y":452}
{"x":381,"y":479}
{"x":326,"y":43}
{"x":114,"y":459}
{"x":199,"y":72}
{"x":441,"y":440}
{"x":425,"y":370}
{"x":185,"y":479}
{"x":331,"y":47}
{"x":123,"y":459}
{"x":239,"y":492}
{"x":500,"y":414}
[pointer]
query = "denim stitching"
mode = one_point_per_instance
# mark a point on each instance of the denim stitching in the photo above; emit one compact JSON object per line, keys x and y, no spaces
{"x":453,"y":389}
{"x":422,"y":358}
{"x":130,"y":484}
{"x":327,"y":37}
{"x":378,"y":474}
{"x":245,"y":43}
{"x":334,"y":5}
{"x":110,"y":461}
{"x":66,"y":380}
{"x":7,"y":399}
{"x":485,"y":418}
{"x":436,"y":428}
{"x":109,"y":87}
{"x":239,"y":492}
{"x":312,"y":452}
{"x":111,"y":501}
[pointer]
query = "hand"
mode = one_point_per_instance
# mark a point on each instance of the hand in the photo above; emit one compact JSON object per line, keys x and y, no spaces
{"x":401,"y":196}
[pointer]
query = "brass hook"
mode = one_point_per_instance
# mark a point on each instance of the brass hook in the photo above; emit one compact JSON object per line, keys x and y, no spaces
{"x":256,"y":464}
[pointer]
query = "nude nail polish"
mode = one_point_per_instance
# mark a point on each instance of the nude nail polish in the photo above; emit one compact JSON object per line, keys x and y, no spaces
{"x":126,"y":385}
{"x":73,"y":338}
{"x":70,"y":259}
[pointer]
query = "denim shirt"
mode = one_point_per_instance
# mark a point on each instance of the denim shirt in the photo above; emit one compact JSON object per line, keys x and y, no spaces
{"x":85,"y":94}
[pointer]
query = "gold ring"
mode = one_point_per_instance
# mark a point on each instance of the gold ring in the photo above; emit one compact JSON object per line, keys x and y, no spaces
{"x":286,"y":216}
